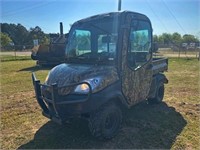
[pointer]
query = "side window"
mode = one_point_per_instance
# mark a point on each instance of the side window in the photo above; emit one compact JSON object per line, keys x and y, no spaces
{"x":140,"y":44}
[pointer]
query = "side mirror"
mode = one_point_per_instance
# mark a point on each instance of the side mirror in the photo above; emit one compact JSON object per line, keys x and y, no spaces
{"x":154,"y":47}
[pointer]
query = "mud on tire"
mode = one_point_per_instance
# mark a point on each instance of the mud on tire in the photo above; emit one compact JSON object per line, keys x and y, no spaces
{"x":106,"y":122}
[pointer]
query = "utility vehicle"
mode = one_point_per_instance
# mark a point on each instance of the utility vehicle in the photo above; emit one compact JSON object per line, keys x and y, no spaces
{"x":108,"y":67}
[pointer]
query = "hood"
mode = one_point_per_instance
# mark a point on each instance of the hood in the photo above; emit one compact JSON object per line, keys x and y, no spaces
{"x":66,"y":74}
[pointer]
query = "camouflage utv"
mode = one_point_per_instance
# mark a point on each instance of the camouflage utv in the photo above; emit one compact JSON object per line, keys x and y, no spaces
{"x":108,"y":66}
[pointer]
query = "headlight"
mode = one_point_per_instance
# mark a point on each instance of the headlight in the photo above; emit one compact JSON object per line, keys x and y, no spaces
{"x":84,"y":88}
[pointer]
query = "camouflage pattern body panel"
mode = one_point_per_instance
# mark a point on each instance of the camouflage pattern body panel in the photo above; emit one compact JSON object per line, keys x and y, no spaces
{"x":66,"y":74}
{"x":135,"y":83}
{"x":143,"y":78}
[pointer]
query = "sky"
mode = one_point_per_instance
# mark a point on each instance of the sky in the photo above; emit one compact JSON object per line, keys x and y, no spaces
{"x":167,"y":16}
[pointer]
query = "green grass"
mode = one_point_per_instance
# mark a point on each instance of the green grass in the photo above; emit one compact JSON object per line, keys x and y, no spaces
{"x":13,"y":58}
{"x":172,"y":124}
{"x":182,"y":93}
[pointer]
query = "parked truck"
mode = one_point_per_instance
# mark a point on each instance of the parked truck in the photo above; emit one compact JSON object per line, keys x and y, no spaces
{"x":108,"y":67}
{"x":53,"y":53}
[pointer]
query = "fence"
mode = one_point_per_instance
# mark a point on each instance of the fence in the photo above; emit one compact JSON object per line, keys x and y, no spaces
{"x":17,"y":48}
{"x":183,"y":50}
{"x":165,"y":51}
{"x":16,"y":52}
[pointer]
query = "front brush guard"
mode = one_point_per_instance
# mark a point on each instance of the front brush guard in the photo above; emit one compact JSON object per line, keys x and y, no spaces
{"x":54,"y":100}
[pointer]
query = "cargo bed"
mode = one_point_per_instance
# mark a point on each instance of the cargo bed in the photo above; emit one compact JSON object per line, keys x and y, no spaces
{"x":159,"y":65}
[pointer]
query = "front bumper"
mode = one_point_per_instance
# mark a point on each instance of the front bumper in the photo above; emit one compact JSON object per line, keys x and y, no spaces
{"x":57,"y":107}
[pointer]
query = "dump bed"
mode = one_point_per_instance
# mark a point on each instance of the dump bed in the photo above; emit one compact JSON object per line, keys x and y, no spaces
{"x":159,"y":65}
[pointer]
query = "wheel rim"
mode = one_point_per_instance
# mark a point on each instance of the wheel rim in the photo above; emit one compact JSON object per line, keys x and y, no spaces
{"x":111,"y":123}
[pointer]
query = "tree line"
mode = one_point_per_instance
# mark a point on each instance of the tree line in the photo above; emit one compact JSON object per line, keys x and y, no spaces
{"x":19,"y":36}
{"x":175,"y":38}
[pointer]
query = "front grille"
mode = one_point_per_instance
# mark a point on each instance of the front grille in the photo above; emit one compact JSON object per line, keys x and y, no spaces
{"x":46,"y":94}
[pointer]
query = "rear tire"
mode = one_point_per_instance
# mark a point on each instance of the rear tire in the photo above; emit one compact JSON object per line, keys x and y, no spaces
{"x":159,"y":94}
{"x":106,"y":122}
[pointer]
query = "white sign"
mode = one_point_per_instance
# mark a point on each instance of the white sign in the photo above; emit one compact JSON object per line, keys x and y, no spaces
{"x":35,"y":42}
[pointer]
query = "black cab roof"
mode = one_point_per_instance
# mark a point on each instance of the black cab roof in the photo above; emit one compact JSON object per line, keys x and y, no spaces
{"x":113,"y":14}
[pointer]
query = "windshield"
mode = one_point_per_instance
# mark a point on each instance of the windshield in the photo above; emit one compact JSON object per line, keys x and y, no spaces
{"x":93,"y":41}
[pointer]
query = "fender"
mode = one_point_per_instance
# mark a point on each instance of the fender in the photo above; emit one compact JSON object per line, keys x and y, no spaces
{"x":158,"y":78}
{"x":110,"y":93}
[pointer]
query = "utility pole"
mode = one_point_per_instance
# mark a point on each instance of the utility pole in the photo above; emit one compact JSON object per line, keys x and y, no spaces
{"x":119,"y":5}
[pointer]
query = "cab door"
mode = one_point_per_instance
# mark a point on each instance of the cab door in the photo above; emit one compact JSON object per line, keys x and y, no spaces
{"x":136,"y":61}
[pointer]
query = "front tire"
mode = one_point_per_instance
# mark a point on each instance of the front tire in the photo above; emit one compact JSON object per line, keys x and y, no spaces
{"x":106,"y":122}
